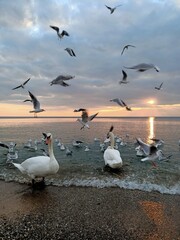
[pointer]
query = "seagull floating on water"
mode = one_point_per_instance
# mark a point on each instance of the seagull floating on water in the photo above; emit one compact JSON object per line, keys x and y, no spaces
{"x":124,"y":79}
{"x":36,"y":104}
{"x":160,"y":86}
{"x":60,"y":80}
{"x":70,"y":51}
{"x":142,"y":67}
{"x":22,"y":85}
{"x":121,"y":103}
{"x":62,"y":34}
{"x":112,"y":9}
{"x":85,"y":118}
{"x":126,"y":48}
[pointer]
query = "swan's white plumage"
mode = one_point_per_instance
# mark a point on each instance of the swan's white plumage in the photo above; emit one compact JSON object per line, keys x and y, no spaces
{"x":40,"y":166}
{"x":112,"y":157}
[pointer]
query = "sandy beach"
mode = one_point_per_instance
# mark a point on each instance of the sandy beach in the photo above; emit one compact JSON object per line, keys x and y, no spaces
{"x":87,"y":213}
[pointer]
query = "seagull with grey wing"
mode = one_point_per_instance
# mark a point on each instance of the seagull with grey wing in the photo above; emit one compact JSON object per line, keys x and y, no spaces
{"x":70,"y":51}
{"x":60,"y":80}
{"x":124,"y":79}
{"x":112,"y":9}
{"x":121,"y":103}
{"x":126,"y":48}
{"x":36,"y":104}
{"x":142,"y":67}
{"x":62,"y":34}
{"x":85,"y":118}
{"x":160,"y":86}
{"x":151,"y":151}
{"x":22,"y":85}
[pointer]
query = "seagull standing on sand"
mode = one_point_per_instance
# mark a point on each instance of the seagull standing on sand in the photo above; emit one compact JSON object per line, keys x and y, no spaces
{"x":60,"y":80}
{"x":124,"y":79}
{"x":142,"y":67}
{"x":112,"y":9}
{"x":126,"y":48}
{"x":121,"y":103}
{"x":22,"y":85}
{"x":160,"y":86}
{"x":36,"y":104}
{"x":70,"y":51}
{"x":62,"y":34}
{"x":85,"y":118}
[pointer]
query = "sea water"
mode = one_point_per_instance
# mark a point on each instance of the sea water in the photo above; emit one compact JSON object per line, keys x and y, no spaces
{"x":86,"y":168}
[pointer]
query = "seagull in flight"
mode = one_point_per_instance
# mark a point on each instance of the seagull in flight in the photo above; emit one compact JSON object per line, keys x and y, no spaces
{"x":151,"y":151}
{"x":62,"y":34}
{"x":126,"y":48}
{"x":85,"y":118}
{"x":121,"y":103}
{"x":70,"y":51}
{"x":124,"y":79}
{"x":60,"y":80}
{"x":160,"y":86}
{"x":36,"y":104}
{"x":142,"y":67}
{"x":112,"y":9}
{"x":22,"y":85}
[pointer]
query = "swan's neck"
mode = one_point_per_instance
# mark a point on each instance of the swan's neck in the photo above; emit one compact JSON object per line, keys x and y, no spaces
{"x":111,"y":136}
{"x":50,"y":150}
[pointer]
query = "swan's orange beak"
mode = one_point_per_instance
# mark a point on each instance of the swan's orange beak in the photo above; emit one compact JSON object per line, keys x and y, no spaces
{"x":47,"y":141}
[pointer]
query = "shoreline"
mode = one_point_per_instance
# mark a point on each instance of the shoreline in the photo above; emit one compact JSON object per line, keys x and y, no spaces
{"x":87,"y":213}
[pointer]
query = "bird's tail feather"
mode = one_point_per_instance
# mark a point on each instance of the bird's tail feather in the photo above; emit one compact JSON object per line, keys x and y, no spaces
{"x":21,"y":169}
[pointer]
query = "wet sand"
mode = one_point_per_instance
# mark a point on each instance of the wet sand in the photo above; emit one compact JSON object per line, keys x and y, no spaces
{"x":87,"y":213}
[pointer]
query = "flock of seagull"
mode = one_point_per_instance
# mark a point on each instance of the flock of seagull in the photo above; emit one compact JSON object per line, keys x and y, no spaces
{"x":43,"y":166}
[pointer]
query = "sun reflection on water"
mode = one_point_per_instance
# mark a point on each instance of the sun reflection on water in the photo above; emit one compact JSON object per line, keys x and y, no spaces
{"x":151,"y":128}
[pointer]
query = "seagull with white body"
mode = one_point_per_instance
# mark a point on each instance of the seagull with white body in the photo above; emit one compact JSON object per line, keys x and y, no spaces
{"x":142,"y":67}
{"x":124,"y":79}
{"x":160,"y":86}
{"x":112,"y":9}
{"x":22,"y":85}
{"x":60,"y":80}
{"x":121,"y":103}
{"x":70,"y":51}
{"x":126,"y":48}
{"x":36,"y":104}
{"x":151,"y":151}
{"x":85,"y":118}
{"x":62,"y":34}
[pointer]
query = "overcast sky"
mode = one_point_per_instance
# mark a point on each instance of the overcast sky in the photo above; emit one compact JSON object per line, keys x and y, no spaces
{"x":29,"y":48}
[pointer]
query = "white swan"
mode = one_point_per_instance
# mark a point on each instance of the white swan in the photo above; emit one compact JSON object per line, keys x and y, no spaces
{"x":40,"y":166}
{"x":112,"y":157}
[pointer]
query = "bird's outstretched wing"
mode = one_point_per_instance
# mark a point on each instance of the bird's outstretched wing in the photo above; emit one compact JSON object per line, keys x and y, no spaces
{"x":4,"y":145}
{"x":36,"y":103}
{"x":93,"y":116}
{"x":55,"y":28}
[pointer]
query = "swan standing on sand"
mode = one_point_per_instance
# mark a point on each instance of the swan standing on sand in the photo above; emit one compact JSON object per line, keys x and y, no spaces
{"x":112,"y":157}
{"x":40,"y":166}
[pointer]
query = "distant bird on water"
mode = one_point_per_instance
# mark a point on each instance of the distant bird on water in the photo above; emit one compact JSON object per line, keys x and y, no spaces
{"x":121,"y":103}
{"x":70,"y":51}
{"x":62,"y":34}
{"x":36,"y":104}
{"x":112,"y":9}
{"x":85,"y":118}
{"x":142,"y":67}
{"x":22,"y":85}
{"x":60,"y":80}
{"x":124,"y":79}
{"x":126,"y":48}
{"x":160,"y":86}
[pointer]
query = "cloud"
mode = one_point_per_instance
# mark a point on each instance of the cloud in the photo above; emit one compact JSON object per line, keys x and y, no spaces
{"x":30,"y":48}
